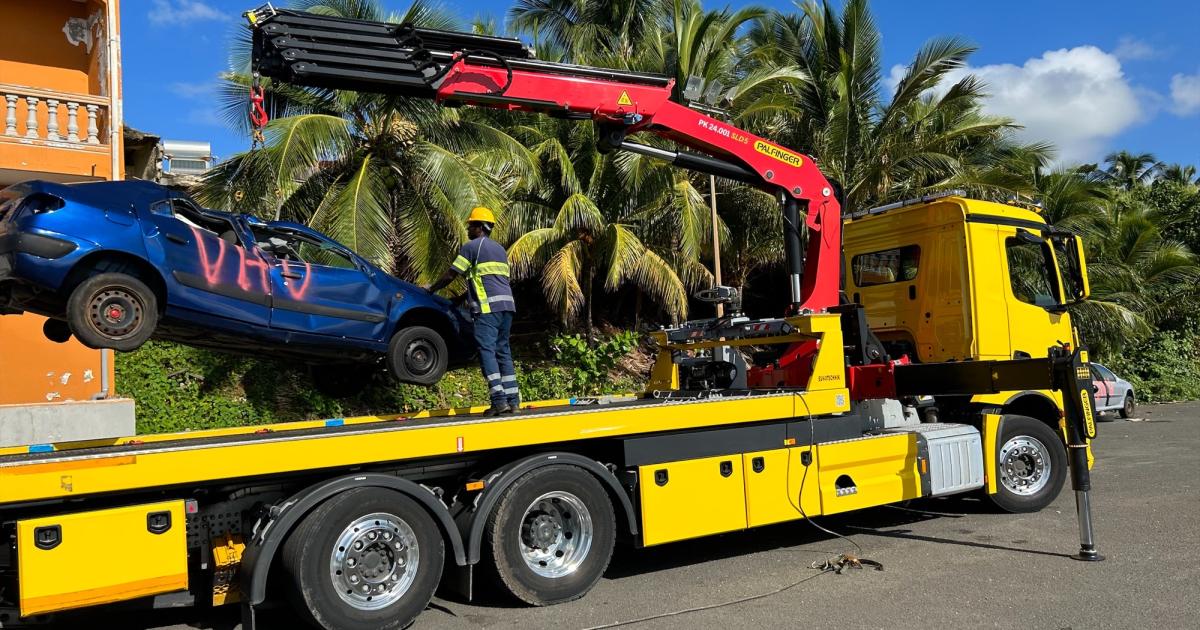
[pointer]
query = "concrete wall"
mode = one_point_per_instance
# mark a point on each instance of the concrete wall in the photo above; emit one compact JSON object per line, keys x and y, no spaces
{"x":65,"y":421}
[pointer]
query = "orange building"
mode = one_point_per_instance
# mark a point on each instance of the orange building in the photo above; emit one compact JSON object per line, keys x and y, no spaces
{"x":60,"y":100}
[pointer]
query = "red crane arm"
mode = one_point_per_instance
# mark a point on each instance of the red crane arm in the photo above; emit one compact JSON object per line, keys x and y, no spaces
{"x":468,"y":69}
{"x":640,"y":107}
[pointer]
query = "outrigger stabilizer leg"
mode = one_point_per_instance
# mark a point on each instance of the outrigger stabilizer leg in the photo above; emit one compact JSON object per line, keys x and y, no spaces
{"x":1073,"y":379}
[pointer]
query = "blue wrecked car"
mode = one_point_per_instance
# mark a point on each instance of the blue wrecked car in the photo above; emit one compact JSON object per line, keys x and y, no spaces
{"x":118,"y":263}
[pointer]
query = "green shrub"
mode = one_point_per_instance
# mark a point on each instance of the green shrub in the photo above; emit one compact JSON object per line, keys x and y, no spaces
{"x":1166,"y":367}
{"x":178,"y":388}
{"x":592,"y":361}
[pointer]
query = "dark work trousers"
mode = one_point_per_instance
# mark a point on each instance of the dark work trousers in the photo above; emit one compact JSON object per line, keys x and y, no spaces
{"x":495,"y":357}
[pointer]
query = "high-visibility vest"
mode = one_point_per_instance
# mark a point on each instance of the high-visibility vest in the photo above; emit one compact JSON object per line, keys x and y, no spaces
{"x":485,"y":265}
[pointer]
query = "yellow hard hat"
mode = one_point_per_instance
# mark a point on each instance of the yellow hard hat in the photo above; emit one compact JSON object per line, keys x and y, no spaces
{"x":482,"y":215}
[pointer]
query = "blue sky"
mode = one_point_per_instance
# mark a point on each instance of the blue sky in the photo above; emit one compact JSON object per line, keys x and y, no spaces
{"x":1090,"y":76}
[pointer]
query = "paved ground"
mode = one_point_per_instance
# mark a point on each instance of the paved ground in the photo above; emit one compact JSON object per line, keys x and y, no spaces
{"x":948,"y":562}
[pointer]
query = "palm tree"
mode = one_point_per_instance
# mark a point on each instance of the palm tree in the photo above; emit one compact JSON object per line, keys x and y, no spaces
{"x":1184,"y":175}
{"x":592,"y":29}
{"x":391,"y":178}
{"x":927,"y":134}
{"x":577,"y":227}
{"x":1127,"y":170}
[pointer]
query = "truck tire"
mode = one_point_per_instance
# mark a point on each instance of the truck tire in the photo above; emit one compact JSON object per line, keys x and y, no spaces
{"x":366,"y":558}
{"x":1128,"y":406}
{"x":418,"y":355}
{"x":1031,"y":464}
{"x":551,"y":536}
{"x":112,"y":311}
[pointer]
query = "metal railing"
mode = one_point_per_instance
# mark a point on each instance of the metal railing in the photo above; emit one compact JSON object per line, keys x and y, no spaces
{"x":34,"y":114}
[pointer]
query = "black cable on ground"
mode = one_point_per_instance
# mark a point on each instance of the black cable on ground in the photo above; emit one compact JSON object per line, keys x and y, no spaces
{"x":741,"y":600}
{"x":832,"y":565}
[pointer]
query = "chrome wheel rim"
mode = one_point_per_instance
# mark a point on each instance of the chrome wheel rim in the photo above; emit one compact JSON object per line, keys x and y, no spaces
{"x":374,"y":561}
{"x":556,"y":534}
{"x":1024,"y":465}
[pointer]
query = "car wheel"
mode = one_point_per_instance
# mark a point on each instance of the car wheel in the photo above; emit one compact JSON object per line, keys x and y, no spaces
{"x":1031,"y":464}
{"x":340,"y":380}
{"x":366,"y":558}
{"x":56,"y":330}
{"x":551,"y":536}
{"x":112,"y":310}
{"x":1128,"y":408}
{"x":418,"y":355}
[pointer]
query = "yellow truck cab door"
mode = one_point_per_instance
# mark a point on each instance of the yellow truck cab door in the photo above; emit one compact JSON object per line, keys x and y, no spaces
{"x":1030,"y":278}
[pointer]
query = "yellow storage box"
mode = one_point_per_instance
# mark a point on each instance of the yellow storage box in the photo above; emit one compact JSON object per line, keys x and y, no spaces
{"x":691,"y":498}
{"x":89,"y":558}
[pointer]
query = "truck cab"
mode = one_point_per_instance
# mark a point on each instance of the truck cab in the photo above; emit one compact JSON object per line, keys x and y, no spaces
{"x":947,"y":278}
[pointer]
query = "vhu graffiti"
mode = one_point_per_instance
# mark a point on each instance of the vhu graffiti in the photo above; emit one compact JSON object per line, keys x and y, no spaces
{"x":253,"y":274}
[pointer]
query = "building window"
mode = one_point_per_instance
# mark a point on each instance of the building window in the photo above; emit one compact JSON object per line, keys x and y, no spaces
{"x":890,"y":265}
{"x":178,"y":165}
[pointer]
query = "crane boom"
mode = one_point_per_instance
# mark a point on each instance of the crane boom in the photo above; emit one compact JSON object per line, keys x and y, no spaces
{"x":468,"y":69}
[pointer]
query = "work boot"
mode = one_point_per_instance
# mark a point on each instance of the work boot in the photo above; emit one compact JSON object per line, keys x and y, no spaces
{"x":497,"y":409}
{"x":513,"y":408}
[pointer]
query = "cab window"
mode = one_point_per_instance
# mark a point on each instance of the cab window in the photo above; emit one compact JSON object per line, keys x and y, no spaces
{"x":899,"y":264}
{"x":1029,"y":265}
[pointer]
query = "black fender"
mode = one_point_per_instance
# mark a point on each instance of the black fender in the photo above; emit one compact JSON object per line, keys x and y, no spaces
{"x":500,"y":479}
{"x":269,"y":536}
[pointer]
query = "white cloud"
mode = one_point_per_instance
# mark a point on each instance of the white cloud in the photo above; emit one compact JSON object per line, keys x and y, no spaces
{"x":1185,"y":93}
{"x":182,"y":12}
{"x":1134,"y":49}
{"x":192,"y":90}
{"x":1077,"y":98}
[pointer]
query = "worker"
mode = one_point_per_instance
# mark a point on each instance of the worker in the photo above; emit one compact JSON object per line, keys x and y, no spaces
{"x":484,"y":263}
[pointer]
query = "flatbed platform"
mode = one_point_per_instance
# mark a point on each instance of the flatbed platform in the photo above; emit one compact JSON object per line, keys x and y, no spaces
{"x":49,"y":472}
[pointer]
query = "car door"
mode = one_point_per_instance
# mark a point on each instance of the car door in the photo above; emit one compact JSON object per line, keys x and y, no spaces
{"x":320,"y":288}
{"x":1101,"y":388}
{"x":206,"y":265}
{"x":1114,"y":397}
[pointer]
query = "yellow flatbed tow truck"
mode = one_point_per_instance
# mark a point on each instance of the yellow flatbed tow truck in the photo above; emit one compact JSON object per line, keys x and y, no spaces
{"x":358,"y":520}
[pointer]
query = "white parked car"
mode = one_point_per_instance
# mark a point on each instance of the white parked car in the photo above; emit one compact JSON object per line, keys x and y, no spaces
{"x":1112,"y":392}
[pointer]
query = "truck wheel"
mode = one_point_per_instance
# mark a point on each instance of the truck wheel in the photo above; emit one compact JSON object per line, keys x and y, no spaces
{"x":56,"y":330}
{"x":112,"y":310}
{"x":1128,"y":407}
{"x":366,"y":558}
{"x":418,"y":355}
{"x":551,"y":536}
{"x":1031,"y":464}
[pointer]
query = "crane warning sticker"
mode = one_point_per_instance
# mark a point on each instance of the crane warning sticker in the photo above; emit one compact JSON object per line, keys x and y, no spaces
{"x":624,"y":100}
{"x":779,"y":153}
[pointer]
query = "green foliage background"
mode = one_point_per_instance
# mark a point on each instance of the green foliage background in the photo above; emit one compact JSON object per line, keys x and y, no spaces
{"x":178,"y":388}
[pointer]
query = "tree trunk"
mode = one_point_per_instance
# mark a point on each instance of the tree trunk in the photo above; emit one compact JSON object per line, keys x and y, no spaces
{"x":587,"y":294}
